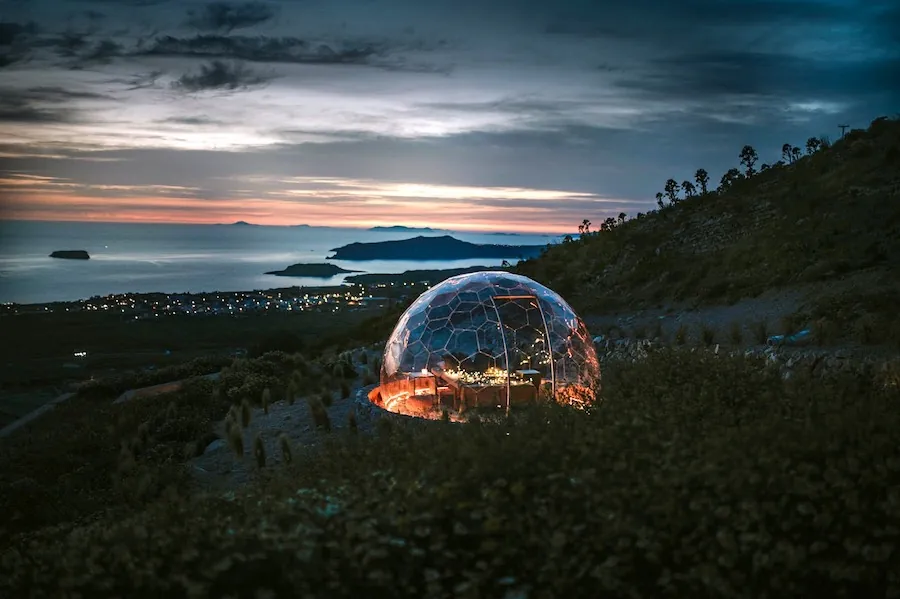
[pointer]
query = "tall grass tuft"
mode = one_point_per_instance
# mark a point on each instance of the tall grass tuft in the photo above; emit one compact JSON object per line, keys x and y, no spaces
{"x":291,"y":393}
{"x":246,"y":413}
{"x":736,"y":333}
{"x":345,"y":390}
{"x":266,"y":399}
{"x":681,"y":335}
{"x":236,"y":441}
{"x":707,"y":334}
{"x":285,"y":444}
{"x":351,"y":421}
{"x":319,"y":414}
{"x":259,"y":451}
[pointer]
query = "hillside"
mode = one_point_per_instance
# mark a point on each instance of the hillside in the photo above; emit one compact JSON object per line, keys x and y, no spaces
{"x":831,"y":214}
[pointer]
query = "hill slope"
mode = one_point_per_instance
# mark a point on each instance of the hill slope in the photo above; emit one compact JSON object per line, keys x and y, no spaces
{"x":829,"y":215}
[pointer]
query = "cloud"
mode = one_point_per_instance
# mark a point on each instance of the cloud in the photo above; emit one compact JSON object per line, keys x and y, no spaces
{"x":103,"y":52}
{"x":259,"y":49}
{"x":227,"y":16}
{"x":192,"y":120}
{"x":48,"y":105}
{"x":219,"y":75}
{"x":15,"y":39}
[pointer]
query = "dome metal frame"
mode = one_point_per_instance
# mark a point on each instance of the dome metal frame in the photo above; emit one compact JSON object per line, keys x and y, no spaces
{"x":482,"y":322}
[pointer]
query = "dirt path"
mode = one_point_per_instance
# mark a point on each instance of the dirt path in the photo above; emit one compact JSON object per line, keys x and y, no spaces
{"x":770,"y":308}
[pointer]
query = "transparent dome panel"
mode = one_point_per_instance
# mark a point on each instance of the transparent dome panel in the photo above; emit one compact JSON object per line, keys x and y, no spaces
{"x":482,"y":334}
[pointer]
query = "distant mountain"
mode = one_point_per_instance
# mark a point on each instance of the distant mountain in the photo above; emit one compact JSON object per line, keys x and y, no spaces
{"x":310,"y":270}
{"x":243,"y":223}
{"x":402,"y":229}
{"x":430,"y":277}
{"x":443,"y":247}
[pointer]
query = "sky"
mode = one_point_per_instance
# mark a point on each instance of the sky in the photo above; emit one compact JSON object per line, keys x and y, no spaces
{"x":513,"y":115}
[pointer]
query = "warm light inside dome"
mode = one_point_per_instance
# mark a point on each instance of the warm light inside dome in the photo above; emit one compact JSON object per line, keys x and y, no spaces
{"x":486,"y":340}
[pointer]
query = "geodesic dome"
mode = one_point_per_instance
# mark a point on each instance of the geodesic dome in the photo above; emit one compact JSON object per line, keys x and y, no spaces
{"x":493,"y":328}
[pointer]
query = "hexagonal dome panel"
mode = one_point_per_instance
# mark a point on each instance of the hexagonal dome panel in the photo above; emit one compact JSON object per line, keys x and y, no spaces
{"x":482,"y":334}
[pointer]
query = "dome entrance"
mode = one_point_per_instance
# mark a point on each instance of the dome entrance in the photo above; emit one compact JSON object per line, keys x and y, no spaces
{"x":486,"y":340}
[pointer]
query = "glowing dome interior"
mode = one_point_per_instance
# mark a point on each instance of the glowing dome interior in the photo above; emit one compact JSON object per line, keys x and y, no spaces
{"x":487,"y":339}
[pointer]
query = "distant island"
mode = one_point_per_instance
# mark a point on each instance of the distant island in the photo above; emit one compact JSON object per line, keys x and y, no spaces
{"x":71,"y":255}
{"x":417,"y":276}
{"x":432,"y":248}
{"x":402,"y":229}
{"x":243,"y":223}
{"x":310,"y":270}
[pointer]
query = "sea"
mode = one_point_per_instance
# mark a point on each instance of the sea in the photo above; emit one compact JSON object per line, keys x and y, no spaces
{"x":176,"y":258}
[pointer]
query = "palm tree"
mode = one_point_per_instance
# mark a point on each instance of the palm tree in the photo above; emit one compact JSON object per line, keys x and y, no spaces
{"x":689,"y":189}
{"x":610,"y":223}
{"x":795,"y":154}
{"x":622,"y":216}
{"x":702,"y":179}
{"x":812,"y":145}
{"x":671,"y":190}
{"x":728,"y":179}
{"x":585,"y":227}
{"x":748,"y":159}
{"x":659,"y":200}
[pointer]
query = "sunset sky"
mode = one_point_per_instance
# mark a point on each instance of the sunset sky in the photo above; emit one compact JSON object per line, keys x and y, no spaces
{"x":468,"y":114}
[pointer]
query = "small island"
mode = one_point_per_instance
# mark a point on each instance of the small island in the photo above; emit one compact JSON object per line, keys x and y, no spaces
{"x":310,"y":270}
{"x":404,"y":229}
{"x":444,"y":247}
{"x":71,"y":255}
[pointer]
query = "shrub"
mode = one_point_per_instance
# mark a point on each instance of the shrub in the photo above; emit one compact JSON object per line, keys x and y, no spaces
{"x":736,"y":333}
{"x":681,"y":335}
{"x":707,"y":335}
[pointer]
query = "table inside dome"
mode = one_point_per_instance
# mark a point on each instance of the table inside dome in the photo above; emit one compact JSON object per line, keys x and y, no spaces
{"x":488,"y":389}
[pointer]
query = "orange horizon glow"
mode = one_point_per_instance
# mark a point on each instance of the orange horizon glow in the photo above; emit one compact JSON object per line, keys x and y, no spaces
{"x":184,"y":211}
{"x":314,"y":201}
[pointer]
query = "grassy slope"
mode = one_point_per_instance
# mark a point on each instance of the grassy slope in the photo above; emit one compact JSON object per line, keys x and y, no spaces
{"x":700,"y":476}
{"x":830,"y":214}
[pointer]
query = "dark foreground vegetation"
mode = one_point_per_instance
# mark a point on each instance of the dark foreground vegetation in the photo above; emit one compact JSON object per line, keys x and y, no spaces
{"x":699,"y":475}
